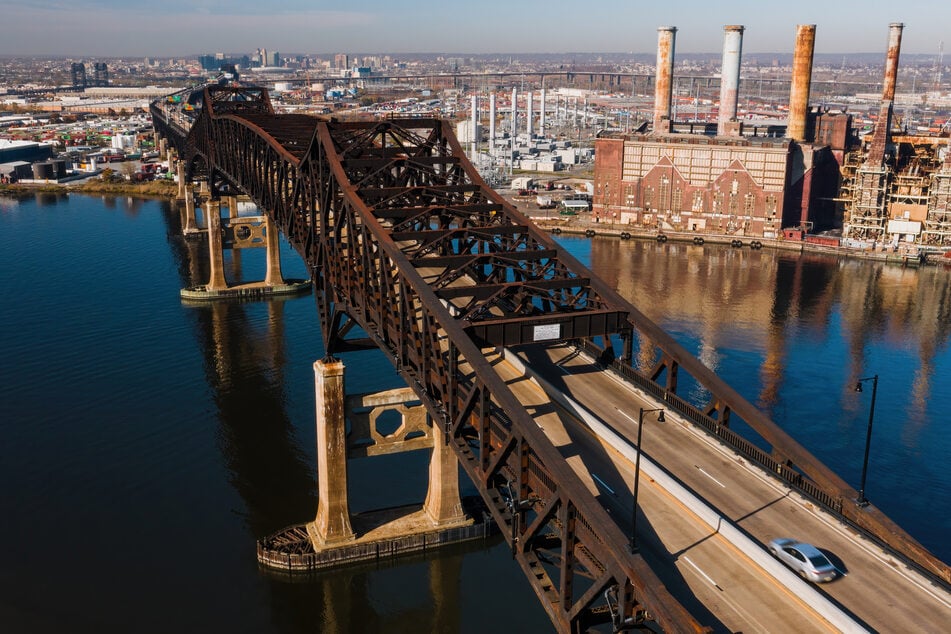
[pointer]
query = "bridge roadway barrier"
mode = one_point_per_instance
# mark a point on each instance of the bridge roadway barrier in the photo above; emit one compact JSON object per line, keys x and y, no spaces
{"x":834,"y":615}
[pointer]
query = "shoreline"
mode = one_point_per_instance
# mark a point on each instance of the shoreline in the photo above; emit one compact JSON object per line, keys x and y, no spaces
{"x":557,"y":226}
{"x":586,"y":228}
{"x":151,"y":189}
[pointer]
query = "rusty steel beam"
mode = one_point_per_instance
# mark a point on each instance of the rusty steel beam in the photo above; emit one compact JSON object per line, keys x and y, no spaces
{"x":366,"y":276}
{"x":381,"y":215}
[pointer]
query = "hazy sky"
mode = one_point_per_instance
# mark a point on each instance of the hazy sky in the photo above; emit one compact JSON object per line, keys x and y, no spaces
{"x":186,"y":27}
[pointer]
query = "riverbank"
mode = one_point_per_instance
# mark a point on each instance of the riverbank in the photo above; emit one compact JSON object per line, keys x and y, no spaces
{"x":569,"y":225}
{"x":149,"y":189}
{"x":582,"y":226}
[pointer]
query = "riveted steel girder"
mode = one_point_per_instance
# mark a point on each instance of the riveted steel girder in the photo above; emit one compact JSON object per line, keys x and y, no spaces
{"x":407,"y":241}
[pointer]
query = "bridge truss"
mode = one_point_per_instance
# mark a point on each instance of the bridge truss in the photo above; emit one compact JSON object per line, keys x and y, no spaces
{"x":413,"y":253}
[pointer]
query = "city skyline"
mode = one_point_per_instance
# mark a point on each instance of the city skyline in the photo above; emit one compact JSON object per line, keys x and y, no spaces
{"x":176,"y":29}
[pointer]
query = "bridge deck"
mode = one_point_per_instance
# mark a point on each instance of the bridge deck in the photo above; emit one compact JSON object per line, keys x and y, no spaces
{"x":885,"y":594}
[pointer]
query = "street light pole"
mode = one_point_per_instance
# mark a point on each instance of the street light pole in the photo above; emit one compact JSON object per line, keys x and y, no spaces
{"x":862,"y":500}
{"x":637,"y":470}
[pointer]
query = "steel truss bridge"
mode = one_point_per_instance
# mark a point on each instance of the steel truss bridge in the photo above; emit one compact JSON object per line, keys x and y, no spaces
{"x":411,"y":252}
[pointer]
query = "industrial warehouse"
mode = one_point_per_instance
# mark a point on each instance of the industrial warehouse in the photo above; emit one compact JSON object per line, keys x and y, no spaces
{"x":816,"y":181}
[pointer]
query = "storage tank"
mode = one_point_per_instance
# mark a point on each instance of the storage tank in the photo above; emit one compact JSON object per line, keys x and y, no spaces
{"x":43,"y":171}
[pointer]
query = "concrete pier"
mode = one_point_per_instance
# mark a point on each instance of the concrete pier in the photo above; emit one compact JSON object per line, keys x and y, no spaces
{"x":237,"y":233}
{"x":335,"y":537}
{"x":332,"y":525}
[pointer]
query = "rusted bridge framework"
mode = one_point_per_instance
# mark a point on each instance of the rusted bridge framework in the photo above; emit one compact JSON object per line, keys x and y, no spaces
{"x":413,"y":253}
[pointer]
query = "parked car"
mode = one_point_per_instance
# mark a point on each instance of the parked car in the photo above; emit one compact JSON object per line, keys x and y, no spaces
{"x":805,"y":559}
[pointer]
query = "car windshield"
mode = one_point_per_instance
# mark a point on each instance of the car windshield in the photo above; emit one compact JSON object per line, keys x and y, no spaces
{"x":819,"y":561}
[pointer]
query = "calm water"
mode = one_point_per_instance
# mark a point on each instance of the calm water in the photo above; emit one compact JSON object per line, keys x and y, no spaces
{"x":147,"y":443}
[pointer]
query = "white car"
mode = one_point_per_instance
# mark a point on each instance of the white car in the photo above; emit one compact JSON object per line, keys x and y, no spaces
{"x":804,"y":558}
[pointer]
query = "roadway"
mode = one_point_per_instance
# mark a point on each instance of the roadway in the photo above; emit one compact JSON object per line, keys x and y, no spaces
{"x":725,"y":581}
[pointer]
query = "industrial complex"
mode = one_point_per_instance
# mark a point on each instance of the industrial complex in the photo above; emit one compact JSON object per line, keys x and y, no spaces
{"x":815,"y":180}
{"x":690,"y":160}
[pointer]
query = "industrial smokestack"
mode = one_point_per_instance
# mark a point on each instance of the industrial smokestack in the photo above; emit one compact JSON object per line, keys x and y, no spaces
{"x":801,"y":81}
{"x":883,"y":127}
{"x":891,"y":61}
{"x":529,"y":98}
{"x":730,"y":79}
{"x":541,"y":115}
{"x":663,"y":79}
{"x":474,"y":132}
{"x":514,"y":115}
{"x":492,"y":122}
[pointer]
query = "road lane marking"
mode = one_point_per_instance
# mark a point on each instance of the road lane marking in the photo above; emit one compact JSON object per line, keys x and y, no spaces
{"x":624,"y":414}
{"x":603,"y":484}
{"x":709,"y":476}
{"x":702,"y":573}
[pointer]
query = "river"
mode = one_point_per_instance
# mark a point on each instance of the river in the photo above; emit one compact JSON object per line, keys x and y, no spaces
{"x":147,"y":442}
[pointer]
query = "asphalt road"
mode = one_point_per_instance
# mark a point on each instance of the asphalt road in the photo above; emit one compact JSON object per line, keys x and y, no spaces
{"x":724,"y":586}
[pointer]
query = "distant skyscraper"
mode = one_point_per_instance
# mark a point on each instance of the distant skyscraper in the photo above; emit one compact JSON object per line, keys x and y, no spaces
{"x":78,"y":71}
{"x":100,"y":74}
{"x":341,"y":61}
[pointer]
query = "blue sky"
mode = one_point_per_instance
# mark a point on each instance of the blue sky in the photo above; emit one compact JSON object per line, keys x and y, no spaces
{"x":179,"y":27}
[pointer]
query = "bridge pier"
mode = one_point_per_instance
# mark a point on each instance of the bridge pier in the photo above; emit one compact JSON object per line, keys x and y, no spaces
{"x":273,"y":277}
{"x":237,"y":233}
{"x":443,"y":503}
{"x":335,"y":537}
{"x":190,"y":221}
{"x":332,"y":524}
{"x":182,"y":189}
{"x":216,"y":277}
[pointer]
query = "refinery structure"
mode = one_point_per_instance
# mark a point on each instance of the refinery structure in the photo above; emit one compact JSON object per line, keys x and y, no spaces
{"x":815,"y":180}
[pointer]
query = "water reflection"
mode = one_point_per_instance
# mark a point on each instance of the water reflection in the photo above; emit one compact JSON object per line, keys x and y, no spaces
{"x":245,"y":365}
{"x":766,"y":301}
{"x":792,"y":333}
{"x":245,"y":355}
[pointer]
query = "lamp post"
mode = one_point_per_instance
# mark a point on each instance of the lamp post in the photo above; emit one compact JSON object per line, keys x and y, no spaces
{"x":637,"y":470}
{"x":862,"y":500}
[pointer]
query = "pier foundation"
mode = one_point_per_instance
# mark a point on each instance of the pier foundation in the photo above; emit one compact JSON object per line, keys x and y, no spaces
{"x":237,"y":233}
{"x":382,"y":423}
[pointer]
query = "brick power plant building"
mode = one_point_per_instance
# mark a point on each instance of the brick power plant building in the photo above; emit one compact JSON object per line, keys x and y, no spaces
{"x":818,"y":176}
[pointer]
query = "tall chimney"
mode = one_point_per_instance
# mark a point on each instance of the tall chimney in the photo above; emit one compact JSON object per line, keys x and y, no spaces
{"x":514,"y":115}
{"x":663,"y":80}
{"x":529,"y":98}
{"x":474,"y":132}
{"x":883,"y":127}
{"x":801,"y":80}
{"x":730,"y":79}
{"x":492,"y":123}
{"x":891,"y":61}
{"x":541,"y":114}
